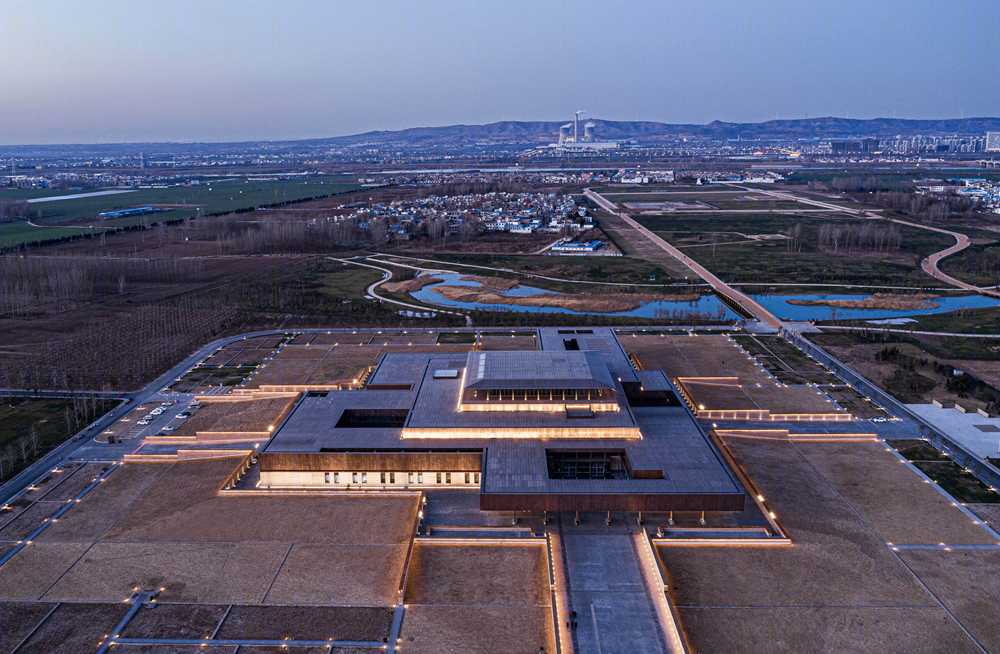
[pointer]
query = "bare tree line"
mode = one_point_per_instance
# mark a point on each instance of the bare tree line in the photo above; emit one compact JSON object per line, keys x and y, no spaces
{"x":858,"y":184}
{"x":20,"y":452}
{"x":860,"y":237}
{"x":504,"y":185}
{"x":118,"y":354}
{"x":928,"y":208}
{"x":30,"y":281}
{"x":293,"y":234}
{"x":13,"y":210}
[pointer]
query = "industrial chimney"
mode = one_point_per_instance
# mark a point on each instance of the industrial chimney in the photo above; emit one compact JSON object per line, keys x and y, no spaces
{"x":564,"y":133}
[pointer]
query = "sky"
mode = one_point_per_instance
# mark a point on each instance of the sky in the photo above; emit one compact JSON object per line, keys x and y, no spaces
{"x":215,"y":70}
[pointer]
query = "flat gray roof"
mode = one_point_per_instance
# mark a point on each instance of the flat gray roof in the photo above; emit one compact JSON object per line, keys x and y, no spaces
{"x":537,"y":370}
{"x":670,"y":439}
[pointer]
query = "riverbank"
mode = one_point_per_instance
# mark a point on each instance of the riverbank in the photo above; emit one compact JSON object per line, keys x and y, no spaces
{"x":885,"y":301}
{"x":497,"y":283}
{"x":586,"y":302}
{"x":409,"y":285}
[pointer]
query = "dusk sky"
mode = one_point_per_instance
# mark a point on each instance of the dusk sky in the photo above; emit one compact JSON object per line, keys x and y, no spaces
{"x":213,"y":70}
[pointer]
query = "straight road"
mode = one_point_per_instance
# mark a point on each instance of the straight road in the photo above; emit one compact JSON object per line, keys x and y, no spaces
{"x":747,"y":302}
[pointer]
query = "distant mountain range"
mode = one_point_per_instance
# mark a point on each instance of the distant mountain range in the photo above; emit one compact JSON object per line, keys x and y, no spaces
{"x":547,"y":132}
{"x":543,"y":132}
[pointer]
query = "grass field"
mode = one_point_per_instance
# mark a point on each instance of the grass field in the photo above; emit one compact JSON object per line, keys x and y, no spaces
{"x":236,"y":194}
{"x":597,"y":269}
{"x":340,"y":284}
{"x":978,"y":264}
{"x":770,"y":260}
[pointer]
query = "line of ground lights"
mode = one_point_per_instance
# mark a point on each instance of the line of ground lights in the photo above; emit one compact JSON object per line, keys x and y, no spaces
{"x":660,"y":592}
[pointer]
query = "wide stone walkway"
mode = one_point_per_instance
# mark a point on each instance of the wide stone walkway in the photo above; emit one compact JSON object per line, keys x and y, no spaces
{"x":605,"y":587}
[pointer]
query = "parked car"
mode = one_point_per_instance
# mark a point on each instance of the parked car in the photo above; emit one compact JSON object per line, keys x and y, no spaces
{"x":183,"y":416}
{"x":143,"y":422}
{"x":168,"y":428}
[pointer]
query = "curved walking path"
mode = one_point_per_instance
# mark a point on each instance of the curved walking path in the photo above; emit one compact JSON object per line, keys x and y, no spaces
{"x":747,"y":302}
{"x":370,"y":290}
{"x":929,"y":264}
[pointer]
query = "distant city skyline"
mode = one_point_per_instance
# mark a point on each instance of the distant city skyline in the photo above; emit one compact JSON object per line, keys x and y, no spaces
{"x":91,"y":71}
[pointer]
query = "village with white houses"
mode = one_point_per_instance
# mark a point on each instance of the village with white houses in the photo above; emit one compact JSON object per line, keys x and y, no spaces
{"x":516,"y":213}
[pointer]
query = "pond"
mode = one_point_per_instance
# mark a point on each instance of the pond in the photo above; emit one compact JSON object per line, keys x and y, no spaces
{"x":708,"y":306}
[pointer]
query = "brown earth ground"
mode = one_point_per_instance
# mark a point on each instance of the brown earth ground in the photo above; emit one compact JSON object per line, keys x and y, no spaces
{"x":168,"y":620}
{"x":498,"y":283}
{"x":839,"y":503}
{"x":877,"y":483}
{"x":487,"y":343}
{"x":466,"y":574}
{"x":339,"y":574}
{"x":75,"y":628}
{"x":18,"y":619}
{"x":966,"y":583}
{"x":307,"y":623}
{"x":409,"y":285}
{"x":989,"y":513}
{"x":702,"y":355}
{"x":751,"y":630}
